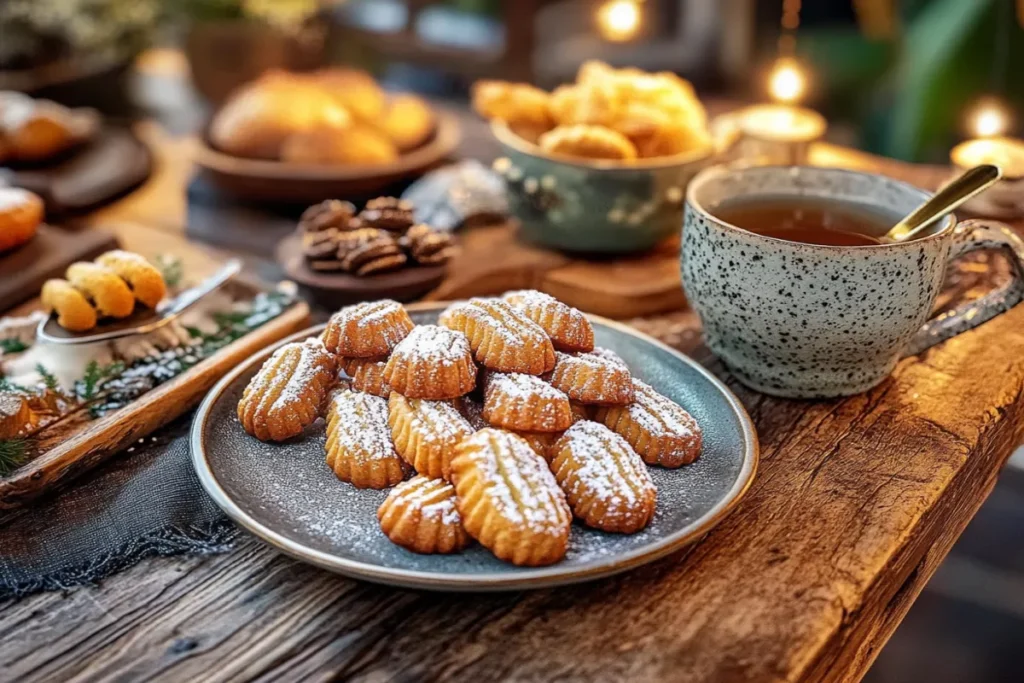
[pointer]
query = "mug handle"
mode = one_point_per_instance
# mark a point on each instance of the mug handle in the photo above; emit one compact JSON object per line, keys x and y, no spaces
{"x":969,"y":236}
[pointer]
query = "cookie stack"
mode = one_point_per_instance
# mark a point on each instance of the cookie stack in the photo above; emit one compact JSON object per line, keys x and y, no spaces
{"x":105,"y":288}
{"x":383,"y":237}
{"x":513,"y":421}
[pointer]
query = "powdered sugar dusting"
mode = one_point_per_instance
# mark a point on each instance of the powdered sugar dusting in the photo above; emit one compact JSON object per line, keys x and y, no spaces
{"x":434,"y":498}
{"x":358,"y":424}
{"x":658,"y":415}
{"x":313,"y":360}
{"x":435,"y":345}
{"x":437,"y":421}
{"x":514,"y":328}
{"x":518,"y":482}
{"x":516,"y":392}
{"x":604,"y":466}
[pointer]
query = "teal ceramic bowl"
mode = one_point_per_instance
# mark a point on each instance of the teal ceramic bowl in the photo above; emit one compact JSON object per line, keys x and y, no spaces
{"x":594,"y":206}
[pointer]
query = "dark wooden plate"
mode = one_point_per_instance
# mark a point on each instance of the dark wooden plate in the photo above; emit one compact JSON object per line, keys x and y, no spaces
{"x":334,"y":290}
{"x":23,"y":270}
{"x":105,"y":168}
{"x":274,"y":181}
{"x":287,"y":496}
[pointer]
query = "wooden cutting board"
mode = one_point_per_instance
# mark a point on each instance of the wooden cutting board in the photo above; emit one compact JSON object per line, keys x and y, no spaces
{"x":24,"y":270}
{"x":493,"y":259}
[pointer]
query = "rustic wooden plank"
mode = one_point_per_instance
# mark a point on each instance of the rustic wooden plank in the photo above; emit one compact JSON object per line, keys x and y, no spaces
{"x":856,"y":503}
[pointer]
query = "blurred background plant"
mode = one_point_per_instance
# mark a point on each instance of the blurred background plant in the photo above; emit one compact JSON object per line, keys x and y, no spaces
{"x":37,"y":33}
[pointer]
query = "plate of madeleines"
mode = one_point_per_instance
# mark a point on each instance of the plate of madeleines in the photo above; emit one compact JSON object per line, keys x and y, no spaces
{"x":491,"y":444}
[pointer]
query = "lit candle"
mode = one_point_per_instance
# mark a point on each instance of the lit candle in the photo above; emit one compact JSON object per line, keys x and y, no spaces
{"x":782,"y":132}
{"x":988,"y":122}
{"x":619,"y":20}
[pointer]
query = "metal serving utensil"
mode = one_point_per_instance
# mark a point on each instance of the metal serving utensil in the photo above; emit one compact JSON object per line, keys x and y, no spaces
{"x":141,"y":321}
{"x":969,"y":183}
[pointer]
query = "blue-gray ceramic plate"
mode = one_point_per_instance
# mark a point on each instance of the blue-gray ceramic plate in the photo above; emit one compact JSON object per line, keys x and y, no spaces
{"x":287,"y":496}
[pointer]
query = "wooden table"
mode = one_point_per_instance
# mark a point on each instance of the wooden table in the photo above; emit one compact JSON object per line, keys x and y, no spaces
{"x":856,"y":503}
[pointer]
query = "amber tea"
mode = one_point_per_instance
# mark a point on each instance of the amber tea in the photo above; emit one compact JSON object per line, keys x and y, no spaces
{"x":808,"y":220}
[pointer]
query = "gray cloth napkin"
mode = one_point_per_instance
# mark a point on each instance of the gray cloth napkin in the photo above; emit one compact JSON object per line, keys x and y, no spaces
{"x":144,"y":502}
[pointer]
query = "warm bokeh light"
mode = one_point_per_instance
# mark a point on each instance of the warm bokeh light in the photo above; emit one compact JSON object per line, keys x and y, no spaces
{"x":787,"y":82}
{"x":619,"y":20}
{"x":988,"y":119}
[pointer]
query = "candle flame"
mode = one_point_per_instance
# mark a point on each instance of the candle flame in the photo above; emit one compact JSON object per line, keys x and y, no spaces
{"x":787,"y":81}
{"x":989,"y":120}
{"x":619,"y":20}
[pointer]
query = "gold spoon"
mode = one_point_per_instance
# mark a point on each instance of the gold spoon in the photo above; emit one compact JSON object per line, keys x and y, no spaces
{"x":969,"y":183}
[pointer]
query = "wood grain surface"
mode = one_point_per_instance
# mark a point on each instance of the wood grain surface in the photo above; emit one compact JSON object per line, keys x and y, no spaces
{"x":856,"y":503}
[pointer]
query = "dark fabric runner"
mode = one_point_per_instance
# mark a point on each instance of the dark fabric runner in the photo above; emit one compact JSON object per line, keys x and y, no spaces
{"x":142,"y":503}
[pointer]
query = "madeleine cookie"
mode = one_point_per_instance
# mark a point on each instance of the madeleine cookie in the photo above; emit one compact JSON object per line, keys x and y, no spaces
{"x":568,"y":328}
{"x":605,"y":482}
{"x":509,"y":500}
{"x":108,"y":293}
{"x":285,"y":396}
{"x":425,"y":433}
{"x":525,"y":403}
{"x":367,"y":374}
{"x":21,"y":212}
{"x":661,"y":431}
{"x":367,"y":330}
{"x":74,"y":312}
{"x":592,"y":378}
{"x":359,"y":447}
{"x":541,"y":442}
{"x":145,"y":281}
{"x":501,"y":337}
{"x":420,"y":515}
{"x":432,"y":362}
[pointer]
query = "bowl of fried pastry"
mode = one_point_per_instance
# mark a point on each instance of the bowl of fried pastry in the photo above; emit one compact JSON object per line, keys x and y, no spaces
{"x":601,"y":164}
{"x":305,"y":137}
{"x":498,"y":425}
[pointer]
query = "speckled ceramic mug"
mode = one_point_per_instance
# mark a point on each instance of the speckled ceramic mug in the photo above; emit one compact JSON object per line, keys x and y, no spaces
{"x":805,"y":320}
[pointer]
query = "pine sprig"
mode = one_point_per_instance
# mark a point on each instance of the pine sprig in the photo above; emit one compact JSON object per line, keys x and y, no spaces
{"x":12,"y":345}
{"x":48,"y":377}
{"x":8,"y":385}
{"x":13,"y":454}
{"x":93,"y":378}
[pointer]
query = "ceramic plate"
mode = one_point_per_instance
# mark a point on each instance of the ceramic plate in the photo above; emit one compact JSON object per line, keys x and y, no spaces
{"x":286,"y":495}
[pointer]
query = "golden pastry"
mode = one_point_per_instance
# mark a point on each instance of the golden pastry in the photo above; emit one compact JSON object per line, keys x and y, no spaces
{"x":101,"y":285}
{"x":146,"y":282}
{"x":592,"y":378}
{"x":256,"y":120}
{"x":35,"y":130}
{"x":517,"y":104}
{"x":432,"y":362}
{"x":355,"y":90}
{"x":420,"y":515}
{"x":359,"y":447}
{"x":367,"y":374}
{"x":425,"y":433}
{"x":541,"y":442}
{"x":285,"y":396}
{"x":567,"y":327}
{"x":587,"y":142}
{"x":355,"y":145}
{"x":605,"y":482}
{"x":661,"y":431}
{"x":501,"y":337}
{"x":368,"y":330}
{"x":509,"y":500}
{"x":21,"y":212}
{"x":407,"y":122}
{"x":74,"y":312}
{"x":525,"y":403}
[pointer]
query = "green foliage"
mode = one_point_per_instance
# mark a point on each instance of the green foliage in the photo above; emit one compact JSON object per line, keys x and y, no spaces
{"x":8,"y":385}
{"x":92,"y":380}
{"x":13,"y":454}
{"x":12,"y":345}
{"x":48,"y":378}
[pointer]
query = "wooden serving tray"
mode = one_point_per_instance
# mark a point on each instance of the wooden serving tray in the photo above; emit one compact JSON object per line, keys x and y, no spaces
{"x":77,"y":447}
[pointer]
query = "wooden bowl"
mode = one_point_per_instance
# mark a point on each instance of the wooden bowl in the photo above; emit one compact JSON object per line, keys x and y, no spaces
{"x":275,"y":181}
{"x":334,"y":290}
